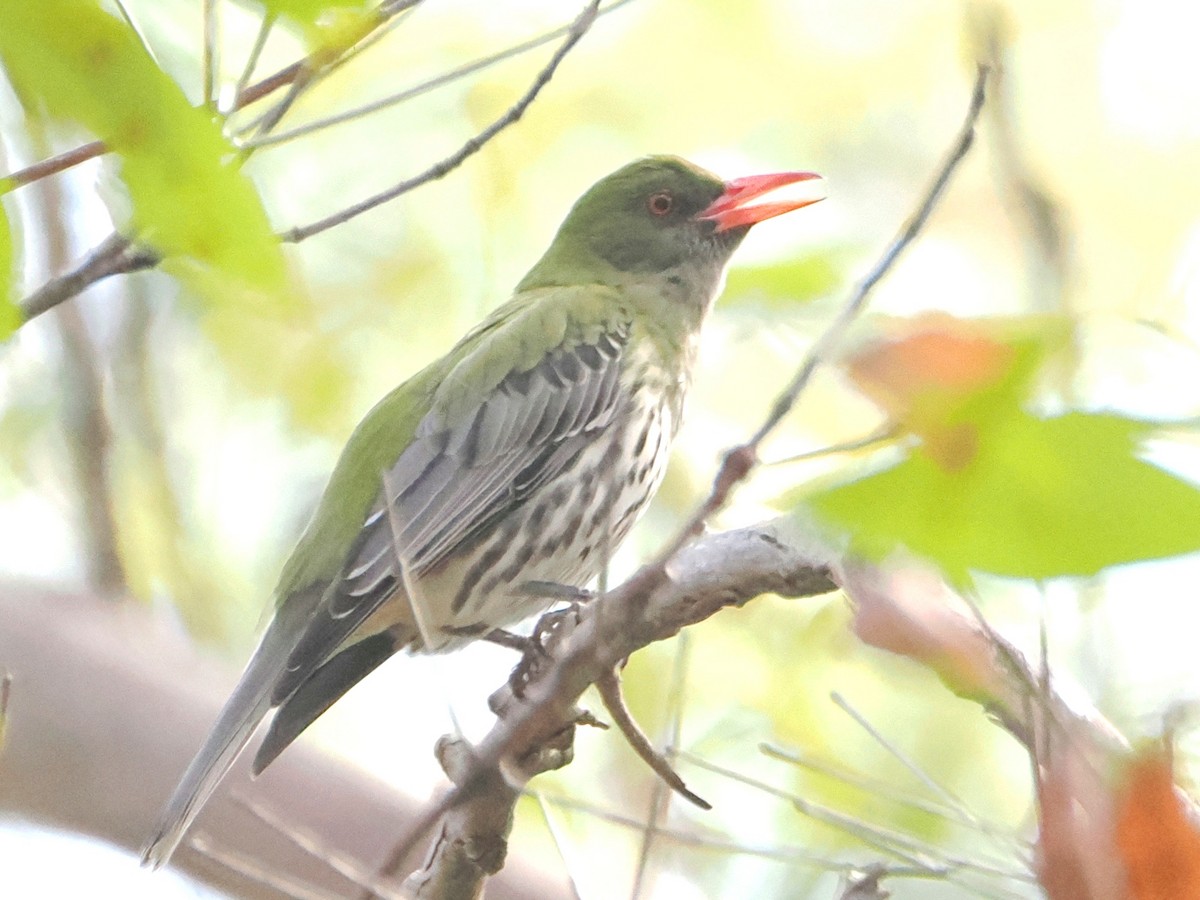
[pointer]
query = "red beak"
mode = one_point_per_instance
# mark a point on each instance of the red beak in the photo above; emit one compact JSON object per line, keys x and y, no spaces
{"x":729,"y":211}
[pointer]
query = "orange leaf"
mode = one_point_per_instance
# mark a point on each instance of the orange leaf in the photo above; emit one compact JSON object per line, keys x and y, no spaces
{"x":1157,"y":841}
{"x":909,"y":611}
{"x":938,"y":360}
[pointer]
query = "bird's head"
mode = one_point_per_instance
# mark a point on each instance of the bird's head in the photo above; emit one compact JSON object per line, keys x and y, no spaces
{"x":660,"y":214}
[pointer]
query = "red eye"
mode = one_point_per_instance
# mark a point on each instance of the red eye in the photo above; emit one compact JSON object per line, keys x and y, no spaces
{"x":661,"y":203}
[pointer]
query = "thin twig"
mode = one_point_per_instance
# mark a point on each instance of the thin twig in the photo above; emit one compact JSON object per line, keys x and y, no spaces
{"x":897,"y":754}
{"x":256,"y":51}
{"x":114,"y":255}
{"x":905,"y":847}
{"x":660,"y":800}
{"x":133,"y":26}
{"x":739,"y":462}
{"x":311,"y":844}
{"x":609,"y":688}
{"x":560,"y":844}
{"x":857,"y":300}
{"x":881,"y":435}
{"x":886,"y":789}
{"x":251,"y":868}
{"x":312,"y":70}
{"x":208,"y":54}
{"x":953,"y":801}
{"x":424,"y":87}
{"x":60,"y":163}
{"x":788,"y":854}
{"x":252,"y":94}
{"x":304,"y":79}
{"x":578,"y":29}
{"x":6,"y":681}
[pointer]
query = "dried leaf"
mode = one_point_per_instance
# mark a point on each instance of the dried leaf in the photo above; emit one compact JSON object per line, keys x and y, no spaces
{"x":1157,"y":840}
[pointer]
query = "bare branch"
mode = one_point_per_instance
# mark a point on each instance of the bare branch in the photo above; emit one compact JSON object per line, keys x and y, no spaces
{"x":716,"y":571}
{"x":208,"y":53}
{"x":650,"y":606}
{"x":660,"y":799}
{"x":424,"y":87}
{"x":53,"y":165}
{"x":1040,"y":219}
{"x":577,"y":30}
{"x":113,"y":256}
{"x":740,"y":461}
{"x":609,"y":687}
{"x":857,"y":301}
{"x":252,"y":58}
{"x":252,"y":94}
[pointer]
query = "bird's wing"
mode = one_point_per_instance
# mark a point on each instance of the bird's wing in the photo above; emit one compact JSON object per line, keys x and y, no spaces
{"x":460,"y":443}
{"x":468,"y":464}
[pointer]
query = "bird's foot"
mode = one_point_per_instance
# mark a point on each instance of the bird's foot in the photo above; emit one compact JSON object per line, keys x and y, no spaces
{"x":520,"y":643}
{"x":553,"y":590}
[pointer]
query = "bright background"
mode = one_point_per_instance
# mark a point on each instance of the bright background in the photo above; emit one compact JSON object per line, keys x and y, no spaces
{"x":225,"y":426}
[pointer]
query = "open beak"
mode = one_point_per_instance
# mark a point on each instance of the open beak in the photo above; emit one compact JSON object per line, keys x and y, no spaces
{"x":730,"y":210}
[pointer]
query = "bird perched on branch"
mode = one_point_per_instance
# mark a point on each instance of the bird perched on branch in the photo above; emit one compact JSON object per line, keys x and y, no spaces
{"x":522,"y":456}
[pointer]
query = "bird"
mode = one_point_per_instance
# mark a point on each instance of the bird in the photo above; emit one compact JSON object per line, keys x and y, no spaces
{"x":521,"y":457}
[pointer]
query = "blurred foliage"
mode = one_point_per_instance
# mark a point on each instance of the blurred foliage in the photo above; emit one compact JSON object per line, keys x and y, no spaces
{"x":188,"y":199}
{"x":309,"y":13}
{"x":988,"y":485}
{"x":1027,"y":504}
{"x":228,"y":402}
{"x":805,"y":278}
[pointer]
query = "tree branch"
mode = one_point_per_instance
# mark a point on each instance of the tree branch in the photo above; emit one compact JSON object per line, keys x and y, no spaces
{"x":424,"y":87}
{"x":115,"y":255}
{"x":609,"y":688}
{"x":439,"y":170}
{"x":901,"y":610}
{"x":533,"y":730}
{"x":663,"y":596}
{"x":285,"y":76}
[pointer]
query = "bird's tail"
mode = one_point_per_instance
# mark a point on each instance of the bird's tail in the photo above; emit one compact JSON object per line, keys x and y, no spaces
{"x":251,"y":700}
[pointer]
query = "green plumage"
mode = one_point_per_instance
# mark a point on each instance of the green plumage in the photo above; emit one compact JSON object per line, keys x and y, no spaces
{"x":537,"y":440}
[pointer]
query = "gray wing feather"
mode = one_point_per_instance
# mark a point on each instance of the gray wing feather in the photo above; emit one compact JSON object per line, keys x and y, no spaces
{"x":454,"y":481}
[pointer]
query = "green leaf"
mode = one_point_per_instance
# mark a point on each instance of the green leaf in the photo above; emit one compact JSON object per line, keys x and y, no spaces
{"x":10,"y":313}
{"x":1040,"y":498}
{"x":797,"y":280}
{"x":330,"y":26}
{"x":308,"y":12}
{"x":189,"y":198}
